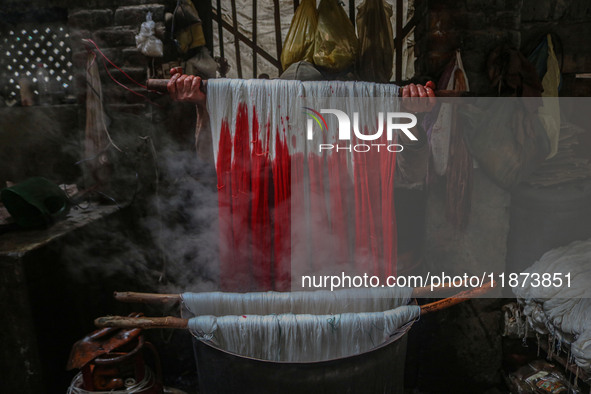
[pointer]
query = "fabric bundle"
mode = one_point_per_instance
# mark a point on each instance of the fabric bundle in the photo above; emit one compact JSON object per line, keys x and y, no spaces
{"x":285,"y":205}
{"x":299,"y":326}
{"x":563,"y":312}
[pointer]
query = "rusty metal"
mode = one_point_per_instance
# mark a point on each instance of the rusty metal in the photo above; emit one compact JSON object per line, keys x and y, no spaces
{"x":236,"y":41}
{"x":278,"y":44}
{"x":264,"y":54}
{"x":111,"y":357}
{"x":254,"y":39}
{"x":98,"y":343}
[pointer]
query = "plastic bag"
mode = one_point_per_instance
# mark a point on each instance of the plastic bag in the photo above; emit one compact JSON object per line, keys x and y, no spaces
{"x":547,"y":65}
{"x":299,"y":43}
{"x":146,"y":41}
{"x":376,"y":41}
{"x":335,"y":43}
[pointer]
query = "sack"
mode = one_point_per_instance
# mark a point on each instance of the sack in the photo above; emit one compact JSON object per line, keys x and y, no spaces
{"x":335,"y":43}
{"x":299,"y":43}
{"x":376,"y":41}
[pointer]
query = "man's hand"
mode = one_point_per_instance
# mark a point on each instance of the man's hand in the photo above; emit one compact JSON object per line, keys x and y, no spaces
{"x":186,"y":88}
{"x":418,"y":98}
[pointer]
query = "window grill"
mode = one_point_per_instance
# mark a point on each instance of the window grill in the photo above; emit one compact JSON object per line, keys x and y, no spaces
{"x":24,"y":49}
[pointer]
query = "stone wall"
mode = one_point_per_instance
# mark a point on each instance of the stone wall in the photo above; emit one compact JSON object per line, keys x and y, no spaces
{"x":113,"y":25}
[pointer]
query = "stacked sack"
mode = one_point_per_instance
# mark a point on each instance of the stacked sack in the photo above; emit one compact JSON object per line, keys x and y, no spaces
{"x":563,"y":312}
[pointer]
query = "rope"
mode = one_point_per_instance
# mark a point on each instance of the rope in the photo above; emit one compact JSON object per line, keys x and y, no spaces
{"x":131,"y":386}
{"x":105,"y":58}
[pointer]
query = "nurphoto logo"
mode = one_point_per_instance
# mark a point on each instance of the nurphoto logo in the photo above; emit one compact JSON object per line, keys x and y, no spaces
{"x":391,"y":125}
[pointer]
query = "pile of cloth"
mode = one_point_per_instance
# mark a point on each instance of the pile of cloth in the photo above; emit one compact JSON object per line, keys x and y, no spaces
{"x":563,"y":312}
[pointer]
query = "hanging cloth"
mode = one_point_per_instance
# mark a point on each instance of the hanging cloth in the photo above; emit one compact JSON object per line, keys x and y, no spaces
{"x":286,"y":208}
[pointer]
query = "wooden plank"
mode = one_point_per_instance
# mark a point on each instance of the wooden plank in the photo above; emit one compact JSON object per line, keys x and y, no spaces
{"x":264,"y":54}
{"x":277,"y":17}
{"x":236,"y":40}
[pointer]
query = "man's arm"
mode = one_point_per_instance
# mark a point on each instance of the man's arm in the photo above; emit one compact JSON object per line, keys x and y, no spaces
{"x":187,"y":88}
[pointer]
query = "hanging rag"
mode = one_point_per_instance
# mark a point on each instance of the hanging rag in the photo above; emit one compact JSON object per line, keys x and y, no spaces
{"x":453,"y":78}
{"x":97,"y":140}
{"x":459,"y":165}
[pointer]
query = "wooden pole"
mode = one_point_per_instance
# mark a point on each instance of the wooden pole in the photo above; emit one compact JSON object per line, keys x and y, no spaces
{"x":141,"y":322}
{"x":147,"y":298}
{"x":458,"y":298}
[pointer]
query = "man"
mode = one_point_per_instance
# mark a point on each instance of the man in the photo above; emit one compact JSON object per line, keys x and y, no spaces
{"x":415,"y":98}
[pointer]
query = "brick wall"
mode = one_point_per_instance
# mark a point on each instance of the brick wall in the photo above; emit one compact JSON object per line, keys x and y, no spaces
{"x":113,"y":25}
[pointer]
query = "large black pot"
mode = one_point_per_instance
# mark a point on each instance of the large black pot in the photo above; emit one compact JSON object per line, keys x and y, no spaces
{"x":380,"y":370}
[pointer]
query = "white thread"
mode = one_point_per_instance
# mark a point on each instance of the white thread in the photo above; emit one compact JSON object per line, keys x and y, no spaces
{"x":299,"y":326}
{"x":301,"y":337}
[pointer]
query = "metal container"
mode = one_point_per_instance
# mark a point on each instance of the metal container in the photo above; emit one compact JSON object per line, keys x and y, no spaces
{"x":380,"y":370}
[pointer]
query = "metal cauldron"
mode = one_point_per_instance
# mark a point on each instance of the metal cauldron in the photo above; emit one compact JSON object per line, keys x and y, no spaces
{"x":380,"y":370}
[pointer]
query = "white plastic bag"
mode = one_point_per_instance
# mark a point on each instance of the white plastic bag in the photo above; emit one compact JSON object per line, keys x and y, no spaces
{"x":146,"y":41}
